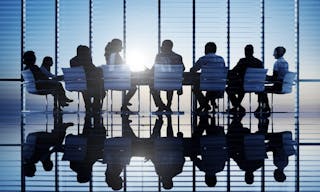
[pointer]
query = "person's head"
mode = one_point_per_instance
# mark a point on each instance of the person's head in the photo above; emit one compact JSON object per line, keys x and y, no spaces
{"x":249,"y":177}
{"x":167,"y":183}
{"x":83,"y":176}
{"x":29,"y":169}
{"x":47,"y":61}
{"x":211,"y":180}
{"x":29,"y":58}
{"x":107,"y":51}
{"x":248,"y":50}
{"x":279,"y":175}
{"x":279,"y":52}
{"x":114,"y":182}
{"x":166,"y":46}
{"x":210,"y":47}
{"x":47,"y":164}
{"x":116,"y":45}
{"x":83,"y":51}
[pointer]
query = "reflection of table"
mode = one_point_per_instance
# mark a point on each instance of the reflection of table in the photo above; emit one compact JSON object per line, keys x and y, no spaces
{"x":146,"y":78}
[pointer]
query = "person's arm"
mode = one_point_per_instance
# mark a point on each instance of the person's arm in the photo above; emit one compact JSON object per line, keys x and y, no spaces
{"x":197,"y":66}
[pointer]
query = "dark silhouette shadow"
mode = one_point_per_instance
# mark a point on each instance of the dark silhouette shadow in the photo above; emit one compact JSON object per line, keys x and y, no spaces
{"x":210,"y":58}
{"x":40,"y":145}
{"x":166,"y":56}
{"x":236,"y":77}
{"x":212,"y":148}
{"x":247,"y":149}
{"x":92,"y":140}
{"x":93,"y":96}
{"x":43,"y":82}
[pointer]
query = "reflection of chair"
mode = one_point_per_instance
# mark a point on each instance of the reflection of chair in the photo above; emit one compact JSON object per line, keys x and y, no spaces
{"x":254,"y":80}
{"x":75,"y":148}
{"x":75,"y":80}
{"x":117,"y":151}
{"x":214,"y":152}
{"x":30,"y":84}
{"x":254,"y":147}
{"x":168,"y":151}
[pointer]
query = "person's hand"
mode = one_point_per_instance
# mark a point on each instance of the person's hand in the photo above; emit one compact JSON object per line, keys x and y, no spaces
{"x":180,"y":92}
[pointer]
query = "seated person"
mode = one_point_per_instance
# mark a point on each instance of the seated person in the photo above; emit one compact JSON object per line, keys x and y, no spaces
{"x":166,"y":56}
{"x":236,"y":77}
{"x":210,"y":58}
{"x":280,"y":68}
{"x":47,"y":63}
{"x":94,"y":76}
{"x":113,"y":57}
{"x":42,"y":81}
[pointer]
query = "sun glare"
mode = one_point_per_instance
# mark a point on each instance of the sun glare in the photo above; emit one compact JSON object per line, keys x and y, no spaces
{"x":137,"y":61}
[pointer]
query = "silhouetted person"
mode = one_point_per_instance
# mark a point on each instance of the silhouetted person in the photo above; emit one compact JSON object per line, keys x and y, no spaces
{"x":93,"y":96}
{"x":37,"y":146}
{"x":166,"y":56}
{"x":211,"y":147}
{"x":210,"y":58}
{"x":94,"y":134}
{"x":42,"y":81}
{"x":236,"y":77}
{"x":247,"y":156}
{"x":280,"y":68}
{"x":113,"y":57}
{"x":45,"y":68}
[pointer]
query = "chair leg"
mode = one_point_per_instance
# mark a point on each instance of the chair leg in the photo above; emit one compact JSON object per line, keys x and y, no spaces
{"x":46,"y":103}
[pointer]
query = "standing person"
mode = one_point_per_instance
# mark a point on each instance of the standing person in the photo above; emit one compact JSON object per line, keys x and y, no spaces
{"x":210,"y":58}
{"x":94,"y":76}
{"x":236,"y":77}
{"x":42,"y":81}
{"x":166,"y":56}
{"x":45,"y":68}
{"x":113,"y":57}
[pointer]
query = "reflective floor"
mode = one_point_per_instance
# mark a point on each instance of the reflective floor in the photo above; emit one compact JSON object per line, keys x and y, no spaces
{"x":77,"y":145}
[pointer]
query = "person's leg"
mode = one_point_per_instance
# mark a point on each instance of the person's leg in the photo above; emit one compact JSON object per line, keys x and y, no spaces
{"x":129,"y":95}
{"x":87,"y":101}
{"x":201,"y":98}
{"x":169,"y":99}
{"x":157,"y":99}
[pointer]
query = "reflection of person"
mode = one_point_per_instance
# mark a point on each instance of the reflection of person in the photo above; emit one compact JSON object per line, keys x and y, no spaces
{"x":95,"y":136}
{"x":166,"y":56}
{"x":42,"y":81}
{"x":38,"y":144}
{"x":210,"y":58}
{"x":94,"y":76}
{"x":211,"y":147}
{"x":113,"y":57}
{"x":281,"y":145}
{"x":236,"y":76}
{"x":46,"y":65}
{"x":237,"y":149}
{"x":167,"y":153}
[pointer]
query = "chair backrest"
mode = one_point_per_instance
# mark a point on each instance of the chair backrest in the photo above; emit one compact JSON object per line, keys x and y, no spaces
{"x":75,"y":148}
{"x":254,"y":79}
{"x":116,"y":77}
{"x":168,"y":77}
{"x":213,"y":78}
{"x":29,"y":81}
{"x":288,"y":82}
{"x":254,"y":146}
{"x":75,"y":79}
